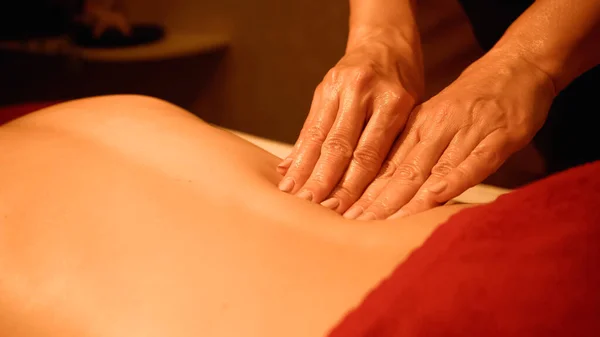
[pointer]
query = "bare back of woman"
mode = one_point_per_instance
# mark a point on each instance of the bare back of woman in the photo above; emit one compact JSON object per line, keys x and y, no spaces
{"x":127,"y":216}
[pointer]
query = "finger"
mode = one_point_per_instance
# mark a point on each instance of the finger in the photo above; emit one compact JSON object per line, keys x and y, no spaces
{"x":309,"y":150}
{"x":403,"y":145}
{"x":374,"y":144}
{"x":283,"y":167}
{"x":285,"y":164}
{"x":371,"y":193}
{"x":459,"y":148}
{"x":287,"y":161}
{"x":337,"y":148}
{"x":484,"y":160}
{"x":407,"y":140}
{"x":408,"y":177}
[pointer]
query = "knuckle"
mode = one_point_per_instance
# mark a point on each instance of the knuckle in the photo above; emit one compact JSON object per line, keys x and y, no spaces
{"x":409,"y":173}
{"x":387,"y":170}
{"x":488,"y":112}
{"x":298,"y":171}
{"x":381,"y":205}
{"x":441,"y":169}
{"x":343,"y":192}
{"x":363,"y":71}
{"x":333,"y":74}
{"x":361,"y":75}
{"x":393,"y":99}
{"x":299,"y":168}
{"x":367,"y":157}
{"x":518,"y":136}
{"x":443,"y":112}
{"x":337,"y":145}
{"x":485,"y":155}
{"x":444,"y":105}
{"x":485,"y":105}
{"x":462,"y":174}
{"x":317,"y":180}
{"x":393,"y":94}
{"x":437,"y":118}
{"x":358,"y":75}
{"x":315,"y":133}
{"x":486,"y":162}
{"x":367,"y":198}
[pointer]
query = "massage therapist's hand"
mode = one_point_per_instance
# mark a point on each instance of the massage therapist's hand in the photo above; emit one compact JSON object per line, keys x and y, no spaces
{"x":356,"y":113}
{"x":459,"y":137}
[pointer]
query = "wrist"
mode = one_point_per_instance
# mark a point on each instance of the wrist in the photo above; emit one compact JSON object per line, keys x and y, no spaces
{"x":392,"y":45}
{"x":536,"y":58}
{"x":398,"y":38}
{"x":502,"y":69}
{"x":557,"y":37}
{"x":519,"y":61}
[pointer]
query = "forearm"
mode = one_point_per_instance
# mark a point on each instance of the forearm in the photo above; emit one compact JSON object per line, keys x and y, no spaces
{"x":388,"y":20}
{"x":560,"y":37}
{"x":387,"y":30}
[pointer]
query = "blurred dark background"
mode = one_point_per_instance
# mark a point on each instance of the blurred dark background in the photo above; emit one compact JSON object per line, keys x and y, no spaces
{"x":251,"y":66}
{"x":262,"y":60}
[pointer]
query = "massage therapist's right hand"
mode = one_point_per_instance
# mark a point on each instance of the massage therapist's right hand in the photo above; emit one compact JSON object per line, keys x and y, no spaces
{"x":356,"y":113}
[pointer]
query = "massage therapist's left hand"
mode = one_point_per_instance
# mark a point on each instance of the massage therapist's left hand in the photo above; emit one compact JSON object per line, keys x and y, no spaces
{"x":459,"y":137}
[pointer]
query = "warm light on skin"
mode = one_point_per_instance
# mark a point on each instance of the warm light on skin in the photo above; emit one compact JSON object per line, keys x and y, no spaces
{"x":560,"y":37}
{"x":146,"y":219}
{"x":367,"y":158}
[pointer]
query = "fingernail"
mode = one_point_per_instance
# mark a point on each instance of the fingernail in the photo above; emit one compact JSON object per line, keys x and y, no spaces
{"x":367,"y":216}
{"x":283,"y":167}
{"x":398,"y":215}
{"x":331,"y":203}
{"x":306,"y":195}
{"x":285,"y":163}
{"x":438,"y":187}
{"x":353,"y":212}
{"x":281,"y":170}
{"x":287,"y":184}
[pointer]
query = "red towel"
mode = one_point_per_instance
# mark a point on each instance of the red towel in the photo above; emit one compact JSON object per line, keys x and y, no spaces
{"x":526,"y":265}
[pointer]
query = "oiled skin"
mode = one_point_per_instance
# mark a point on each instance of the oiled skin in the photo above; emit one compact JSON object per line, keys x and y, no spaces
{"x":127,"y":216}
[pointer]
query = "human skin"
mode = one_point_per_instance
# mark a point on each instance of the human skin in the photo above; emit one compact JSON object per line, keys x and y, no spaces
{"x":360,"y":106}
{"x":458,"y":137}
{"x":127,"y":216}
